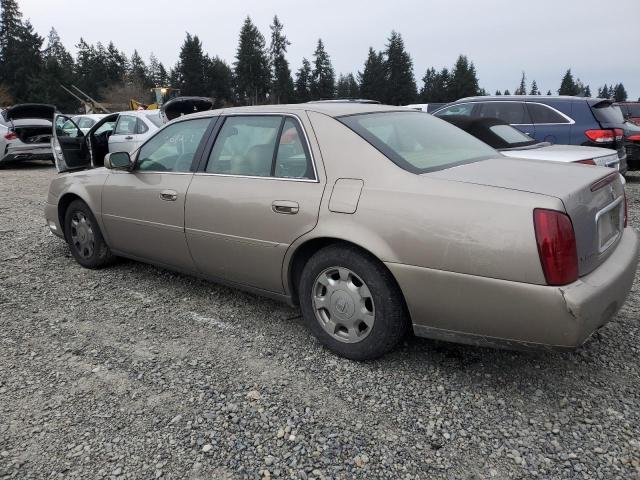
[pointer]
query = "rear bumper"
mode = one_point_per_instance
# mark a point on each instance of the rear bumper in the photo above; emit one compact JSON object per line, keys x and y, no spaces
{"x":486,"y":311}
{"x":27,"y":152}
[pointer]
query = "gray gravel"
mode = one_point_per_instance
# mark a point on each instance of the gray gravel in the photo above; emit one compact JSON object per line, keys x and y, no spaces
{"x":136,"y":372}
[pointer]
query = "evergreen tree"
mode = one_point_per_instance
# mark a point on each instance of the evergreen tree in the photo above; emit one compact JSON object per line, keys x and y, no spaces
{"x":401,"y":85}
{"x":507,"y":92}
{"x":252,"y":72}
{"x":154,"y":71}
{"x":373,"y":78}
{"x":189,"y":72}
{"x":482,"y":92}
{"x":435,"y":86}
{"x":303,"y":82}
{"x":219,"y":81}
{"x":347,"y":86}
{"x":549,"y":92}
{"x":568,"y":85}
{"x":587,"y":91}
{"x":604,"y":92}
{"x":138,"y":73}
{"x":498,"y":92}
{"x":522,"y":89}
{"x":323,"y":78}
{"x":57,"y":68}
{"x":281,"y":82}
{"x":534,"y":89}
{"x":117,"y":64}
{"x":463,"y":81}
{"x":619,"y":93}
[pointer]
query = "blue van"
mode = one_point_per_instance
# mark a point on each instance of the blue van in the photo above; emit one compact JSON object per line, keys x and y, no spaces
{"x":594,"y":122}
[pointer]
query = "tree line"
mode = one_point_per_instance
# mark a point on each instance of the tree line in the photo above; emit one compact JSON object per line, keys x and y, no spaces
{"x":32,"y":70}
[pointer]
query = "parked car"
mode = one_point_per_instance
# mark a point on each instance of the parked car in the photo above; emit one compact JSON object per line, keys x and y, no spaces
{"x":116,"y":132}
{"x":25,"y":132}
{"x":562,"y":120}
{"x":373,"y":220}
{"x":426,"y":107}
{"x":630,"y":111}
{"x":85,"y":121}
{"x":512,"y":142}
{"x":632,"y":141}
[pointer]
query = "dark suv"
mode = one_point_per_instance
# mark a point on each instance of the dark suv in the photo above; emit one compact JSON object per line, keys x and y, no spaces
{"x":593,"y":122}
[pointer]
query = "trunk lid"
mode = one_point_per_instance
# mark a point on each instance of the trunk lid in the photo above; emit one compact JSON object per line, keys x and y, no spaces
{"x":184,"y":106}
{"x":29,"y":110}
{"x":593,"y":197}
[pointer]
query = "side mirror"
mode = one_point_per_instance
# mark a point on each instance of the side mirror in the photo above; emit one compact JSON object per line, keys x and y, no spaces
{"x":117,"y":161}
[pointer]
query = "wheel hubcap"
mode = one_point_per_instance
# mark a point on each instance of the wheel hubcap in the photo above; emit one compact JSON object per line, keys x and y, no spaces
{"x":82,"y":236}
{"x":343,"y":305}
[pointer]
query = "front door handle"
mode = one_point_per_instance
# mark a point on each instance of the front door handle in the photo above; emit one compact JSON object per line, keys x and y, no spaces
{"x":128,"y":137}
{"x":285,"y":206}
{"x":169,"y":195}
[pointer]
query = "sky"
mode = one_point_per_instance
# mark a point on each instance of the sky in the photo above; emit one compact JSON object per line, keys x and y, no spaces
{"x":502,"y":37}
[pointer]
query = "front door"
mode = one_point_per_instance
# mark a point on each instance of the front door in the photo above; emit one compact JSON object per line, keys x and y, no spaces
{"x":258,"y":192}
{"x":129,"y":134}
{"x":143,"y":210}
{"x":70,"y":150}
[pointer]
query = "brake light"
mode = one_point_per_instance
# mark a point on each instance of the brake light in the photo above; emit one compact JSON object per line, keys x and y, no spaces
{"x":10,"y":135}
{"x":556,"y":246}
{"x":634,"y":138}
{"x":626,"y":209}
{"x":586,"y":162}
{"x":619,"y":133}
{"x":602,"y":136}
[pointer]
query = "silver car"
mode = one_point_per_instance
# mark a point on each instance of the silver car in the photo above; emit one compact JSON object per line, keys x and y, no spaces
{"x":25,"y":132}
{"x":375,"y":221}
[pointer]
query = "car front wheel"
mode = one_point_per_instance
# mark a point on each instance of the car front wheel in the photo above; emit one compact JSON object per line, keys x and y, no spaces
{"x":351,"y":302}
{"x":84,"y":237}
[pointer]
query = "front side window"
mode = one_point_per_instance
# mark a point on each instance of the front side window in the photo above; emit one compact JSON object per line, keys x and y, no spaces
{"x":126,"y":125}
{"x":417,"y":141}
{"x":513,"y":113}
{"x":463,"y":109}
{"x":544,"y":114}
{"x":173,"y":148}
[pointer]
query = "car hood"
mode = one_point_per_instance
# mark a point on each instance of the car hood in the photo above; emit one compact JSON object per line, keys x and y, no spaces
{"x":29,"y":110}
{"x":185,"y":105}
{"x":561,"y":153}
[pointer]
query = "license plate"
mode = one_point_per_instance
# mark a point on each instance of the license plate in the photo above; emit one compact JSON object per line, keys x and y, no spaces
{"x":609,"y":226}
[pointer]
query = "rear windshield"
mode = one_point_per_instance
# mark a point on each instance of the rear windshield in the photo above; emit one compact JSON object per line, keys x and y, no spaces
{"x":417,"y":141}
{"x":605,"y":112}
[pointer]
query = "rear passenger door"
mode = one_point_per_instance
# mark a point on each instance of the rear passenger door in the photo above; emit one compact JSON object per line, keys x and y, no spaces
{"x":128,"y":135}
{"x":256,"y":191}
{"x":514,"y":113}
{"x":551,"y":125}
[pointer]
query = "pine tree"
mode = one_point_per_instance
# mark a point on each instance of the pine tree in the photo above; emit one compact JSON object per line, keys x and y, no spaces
{"x":587,"y":91}
{"x":603,"y":92}
{"x":498,"y":92}
{"x":138,"y":73}
{"x":522,"y":89}
{"x":435,"y":86}
{"x":507,"y":92}
{"x":619,"y":93}
{"x":281,"y":82}
{"x":401,"y":84}
{"x":252,"y":73}
{"x":568,"y":85}
{"x":303,"y":82}
{"x":463,"y":81}
{"x":189,"y":73}
{"x":347,"y":86}
{"x":57,"y":68}
{"x":534,"y":89}
{"x":549,"y":92}
{"x":219,"y":81}
{"x":117,"y":64}
{"x":372,"y":79}
{"x":323,"y":78}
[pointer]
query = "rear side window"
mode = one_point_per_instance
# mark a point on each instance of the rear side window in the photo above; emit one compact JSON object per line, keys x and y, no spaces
{"x":141,"y":127}
{"x":544,"y":114}
{"x":126,"y":125}
{"x":605,"y":112}
{"x":155,"y":119}
{"x":418,"y":142}
{"x":513,"y":113}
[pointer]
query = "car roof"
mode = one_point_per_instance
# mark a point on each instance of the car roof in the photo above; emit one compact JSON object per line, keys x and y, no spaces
{"x":532,"y":98}
{"x":330,"y":109}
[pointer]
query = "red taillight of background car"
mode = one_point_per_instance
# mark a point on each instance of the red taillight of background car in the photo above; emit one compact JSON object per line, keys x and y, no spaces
{"x":586,"y":162}
{"x":10,"y":135}
{"x":601,"y":136}
{"x":634,"y":138}
{"x":556,"y":246}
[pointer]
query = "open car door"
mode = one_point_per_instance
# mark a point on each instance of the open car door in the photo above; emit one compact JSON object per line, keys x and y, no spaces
{"x":179,"y":106}
{"x":68,"y":144}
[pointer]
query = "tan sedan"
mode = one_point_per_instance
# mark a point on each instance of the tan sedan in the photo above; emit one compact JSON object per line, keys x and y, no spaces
{"x":375,"y":221}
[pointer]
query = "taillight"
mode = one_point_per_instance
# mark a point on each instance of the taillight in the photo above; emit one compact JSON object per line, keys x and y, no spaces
{"x":601,"y":136}
{"x":556,"y":246}
{"x":10,"y":135}
{"x":586,"y":162}
{"x":634,"y":138}
{"x":626,"y":209}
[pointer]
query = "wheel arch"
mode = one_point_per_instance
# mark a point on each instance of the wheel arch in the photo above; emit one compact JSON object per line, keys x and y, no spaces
{"x":64,"y":202}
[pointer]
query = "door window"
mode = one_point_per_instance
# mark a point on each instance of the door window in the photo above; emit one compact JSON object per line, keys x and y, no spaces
{"x":68,"y":129}
{"x":141,"y":127}
{"x":172,"y":149}
{"x":245,"y":146}
{"x":293,"y":159}
{"x":544,"y":114}
{"x":513,"y":113}
{"x":126,"y":125}
{"x":463,"y":109}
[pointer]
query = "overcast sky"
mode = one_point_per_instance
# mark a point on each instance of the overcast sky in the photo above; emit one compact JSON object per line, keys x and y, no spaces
{"x":598,"y":40}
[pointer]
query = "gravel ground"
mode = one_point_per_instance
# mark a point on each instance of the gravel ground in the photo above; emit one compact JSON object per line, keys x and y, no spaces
{"x":136,"y":372}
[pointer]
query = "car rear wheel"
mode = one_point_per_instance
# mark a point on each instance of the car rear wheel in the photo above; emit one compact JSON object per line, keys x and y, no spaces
{"x":84,"y":237}
{"x":351,"y":302}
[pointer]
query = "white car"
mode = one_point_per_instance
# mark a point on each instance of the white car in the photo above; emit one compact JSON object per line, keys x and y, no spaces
{"x":511,"y":142}
{"x":25,"y":132}
{"x":87,"y":120}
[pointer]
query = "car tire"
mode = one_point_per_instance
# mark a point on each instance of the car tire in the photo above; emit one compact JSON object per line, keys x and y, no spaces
{"x":84,"y":237}
{"x":351,"y":303}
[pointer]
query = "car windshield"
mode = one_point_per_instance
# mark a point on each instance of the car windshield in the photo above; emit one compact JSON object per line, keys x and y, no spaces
{"x":417,"y":141}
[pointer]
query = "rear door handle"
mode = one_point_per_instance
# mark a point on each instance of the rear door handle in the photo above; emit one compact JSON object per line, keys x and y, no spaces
{"x":169,"y":195}
{"x":285,"y":207}
{"x":128,"y":137}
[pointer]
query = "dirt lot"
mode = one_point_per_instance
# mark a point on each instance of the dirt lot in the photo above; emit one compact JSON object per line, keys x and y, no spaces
{"x":135,"y":372}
